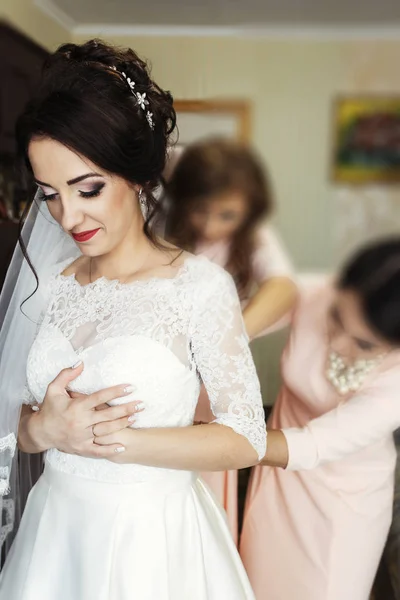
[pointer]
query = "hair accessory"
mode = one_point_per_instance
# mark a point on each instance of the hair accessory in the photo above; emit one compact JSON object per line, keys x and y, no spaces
{"x":129,"y":81}
{"x":141,"y":99}
{"x":149,"y":117}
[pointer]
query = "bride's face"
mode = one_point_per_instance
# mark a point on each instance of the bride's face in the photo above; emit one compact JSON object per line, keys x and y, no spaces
{"x":97,"y":209}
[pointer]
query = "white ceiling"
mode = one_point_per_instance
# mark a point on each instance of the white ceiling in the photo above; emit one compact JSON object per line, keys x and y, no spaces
{"x":240,"y":14}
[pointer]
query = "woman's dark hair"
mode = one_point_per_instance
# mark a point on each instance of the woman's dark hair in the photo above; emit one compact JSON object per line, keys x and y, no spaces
{"x":374,"y":275}
{"x":85,"y":103}
{"x":205,"y":170}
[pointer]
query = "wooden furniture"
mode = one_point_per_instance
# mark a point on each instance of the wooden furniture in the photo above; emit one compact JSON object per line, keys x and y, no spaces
{"x":21,"y":62}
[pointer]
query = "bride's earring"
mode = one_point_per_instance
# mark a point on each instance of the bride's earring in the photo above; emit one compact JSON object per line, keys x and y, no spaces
{"x":143,"y":203}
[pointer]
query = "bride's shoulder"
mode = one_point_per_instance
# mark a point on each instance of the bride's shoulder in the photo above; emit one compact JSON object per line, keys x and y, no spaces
{"x":201,"y":265}
{"x":210,"y":277}
{"x":50,"y":277}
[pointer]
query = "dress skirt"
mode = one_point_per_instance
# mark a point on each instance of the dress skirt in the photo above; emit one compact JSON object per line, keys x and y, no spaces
{"x":81,"y":539}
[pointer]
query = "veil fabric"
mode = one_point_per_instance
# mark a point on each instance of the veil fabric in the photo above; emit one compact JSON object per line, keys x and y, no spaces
{"x":47,"y":245}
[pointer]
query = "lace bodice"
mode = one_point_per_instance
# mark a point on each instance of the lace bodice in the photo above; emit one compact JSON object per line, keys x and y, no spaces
{"x":161,"y":336}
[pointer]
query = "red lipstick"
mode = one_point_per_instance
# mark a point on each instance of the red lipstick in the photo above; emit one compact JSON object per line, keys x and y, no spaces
{"x":85,"y":236}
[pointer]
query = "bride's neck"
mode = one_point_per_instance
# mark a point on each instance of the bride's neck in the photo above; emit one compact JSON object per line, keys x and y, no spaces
{"x":124,"y":261}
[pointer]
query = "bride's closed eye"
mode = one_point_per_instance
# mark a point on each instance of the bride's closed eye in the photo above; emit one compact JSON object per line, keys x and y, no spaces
{"x":42,"y":197}
{"x":93,"y":193}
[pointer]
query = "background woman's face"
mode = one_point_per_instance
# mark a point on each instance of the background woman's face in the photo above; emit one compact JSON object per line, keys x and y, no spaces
{"x":219,"y":217}
{"x":94,"y":207}
{"x":349,"y":333}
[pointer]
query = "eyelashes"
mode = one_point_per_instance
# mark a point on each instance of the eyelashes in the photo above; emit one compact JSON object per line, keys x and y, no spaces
{"x":364,"y":345}
{"x":96,"y":191}
{"x":42,"y":196}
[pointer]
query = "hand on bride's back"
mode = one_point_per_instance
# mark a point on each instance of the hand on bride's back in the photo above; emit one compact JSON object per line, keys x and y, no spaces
{"x":70,"y":421}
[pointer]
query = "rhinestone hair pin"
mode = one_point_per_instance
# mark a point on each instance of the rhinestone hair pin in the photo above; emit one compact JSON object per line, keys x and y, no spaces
{"x":141,"y":99}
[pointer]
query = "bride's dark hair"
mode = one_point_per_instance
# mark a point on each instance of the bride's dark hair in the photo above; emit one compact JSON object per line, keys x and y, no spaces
{"x":85,"y":103}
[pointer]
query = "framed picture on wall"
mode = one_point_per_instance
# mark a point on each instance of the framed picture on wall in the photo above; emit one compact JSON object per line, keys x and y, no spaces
{"x":366,"y":134}
{"x":197,"y":119}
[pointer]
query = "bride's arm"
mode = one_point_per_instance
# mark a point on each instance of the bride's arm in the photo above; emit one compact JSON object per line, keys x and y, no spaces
{"x":220,"y":351}
{"x":206,"y":450}
{"x":367,"y":418}
{"x":210,"y":447}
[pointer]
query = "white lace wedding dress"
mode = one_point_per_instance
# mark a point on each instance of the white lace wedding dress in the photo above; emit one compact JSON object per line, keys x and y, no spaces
{"x":95,"y":530}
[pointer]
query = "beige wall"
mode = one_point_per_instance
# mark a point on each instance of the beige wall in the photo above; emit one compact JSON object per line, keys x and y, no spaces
{"x":31,"y":21}
{"x":292,"y":85}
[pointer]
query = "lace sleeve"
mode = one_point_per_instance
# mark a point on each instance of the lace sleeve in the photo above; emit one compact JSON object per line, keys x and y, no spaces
{"x":223,"y":359}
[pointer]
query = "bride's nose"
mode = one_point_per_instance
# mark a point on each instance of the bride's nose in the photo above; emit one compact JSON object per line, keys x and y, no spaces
{"x":72,"y":215}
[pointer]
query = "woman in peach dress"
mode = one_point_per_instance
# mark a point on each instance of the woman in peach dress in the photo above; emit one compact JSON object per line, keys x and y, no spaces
{"x":218,"y":196}
{"x":316,"y":530}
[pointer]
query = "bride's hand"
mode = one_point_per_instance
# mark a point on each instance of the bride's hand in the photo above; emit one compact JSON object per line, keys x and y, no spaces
{"x":126,"y":438}
{"x":69,"y":421}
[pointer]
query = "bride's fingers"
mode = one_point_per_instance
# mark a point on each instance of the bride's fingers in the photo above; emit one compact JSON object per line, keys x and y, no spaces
{"x":106,"y":451}
{"x":113,"y":413}
{"x":108,"y":394}
{"x":109,"y":427}
{"x":76,"y":395}
{"x":64,"y":378}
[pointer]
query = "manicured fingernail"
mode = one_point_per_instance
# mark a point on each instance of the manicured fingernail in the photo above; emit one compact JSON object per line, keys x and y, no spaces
{"x":120,"y":449}
{"x":129,"y":389}
{"x":35,"y":408}
{"x":138,"y":408}
{"x":76,"y":365}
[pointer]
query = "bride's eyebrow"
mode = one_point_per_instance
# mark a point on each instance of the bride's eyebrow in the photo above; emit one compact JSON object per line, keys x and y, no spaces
{"x":71,"y":181}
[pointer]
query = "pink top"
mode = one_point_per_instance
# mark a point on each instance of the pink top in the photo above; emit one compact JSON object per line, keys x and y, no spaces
{"x":269,"y":259}
{"x":320,"y":425}
{"x":327,"y":516}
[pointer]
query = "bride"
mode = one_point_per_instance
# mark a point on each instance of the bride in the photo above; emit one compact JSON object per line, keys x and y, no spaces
{"x":113,"y":345}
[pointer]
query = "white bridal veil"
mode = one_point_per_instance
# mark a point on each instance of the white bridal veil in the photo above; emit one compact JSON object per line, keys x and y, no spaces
{"x":47,"y":245}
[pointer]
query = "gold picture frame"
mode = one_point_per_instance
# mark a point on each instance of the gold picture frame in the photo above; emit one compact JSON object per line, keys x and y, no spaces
{"x":366,"y":145}
{"x":202,"y":118}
